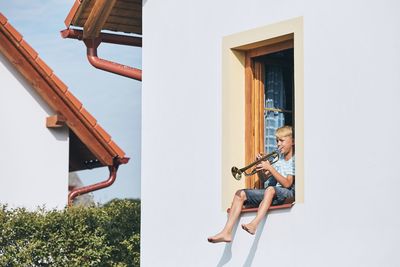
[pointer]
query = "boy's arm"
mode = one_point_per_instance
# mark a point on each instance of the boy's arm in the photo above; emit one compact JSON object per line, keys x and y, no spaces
{"x":284,"y":181}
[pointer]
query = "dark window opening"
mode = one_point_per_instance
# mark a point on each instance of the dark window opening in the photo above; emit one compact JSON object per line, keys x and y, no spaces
{"x":278,"y":94}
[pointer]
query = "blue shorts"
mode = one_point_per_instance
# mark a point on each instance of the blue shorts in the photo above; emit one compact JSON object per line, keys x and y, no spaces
{"x":255,"y":196}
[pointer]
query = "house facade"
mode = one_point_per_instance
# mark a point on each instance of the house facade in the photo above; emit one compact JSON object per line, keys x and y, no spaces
{"x":34,"y":158}
{"x":47,"y":133}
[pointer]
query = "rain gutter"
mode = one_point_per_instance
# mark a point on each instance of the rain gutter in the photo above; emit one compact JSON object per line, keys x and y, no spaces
{"x":106,"y":65}
{"x":90,"y":188}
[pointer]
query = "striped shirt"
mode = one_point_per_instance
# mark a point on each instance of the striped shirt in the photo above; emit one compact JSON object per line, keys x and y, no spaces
{"x":285,"y":168}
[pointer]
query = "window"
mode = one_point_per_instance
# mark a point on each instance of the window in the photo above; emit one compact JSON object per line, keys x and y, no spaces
{"x":252,"y":59}
{"x":269,"y":98}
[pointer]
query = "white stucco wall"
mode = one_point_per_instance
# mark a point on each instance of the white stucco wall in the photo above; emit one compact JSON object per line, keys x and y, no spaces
{"x":33,"y":159}
{"x":351,"y":89}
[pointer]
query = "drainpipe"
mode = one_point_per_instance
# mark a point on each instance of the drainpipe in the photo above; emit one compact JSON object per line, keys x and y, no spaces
{"x":109,"y":66}
{"x":90,"y":188}
{"x":91,"y":52}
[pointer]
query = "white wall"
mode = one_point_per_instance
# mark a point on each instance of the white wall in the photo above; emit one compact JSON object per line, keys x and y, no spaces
{"x":33,"y":159}
{"x":352,"y":60}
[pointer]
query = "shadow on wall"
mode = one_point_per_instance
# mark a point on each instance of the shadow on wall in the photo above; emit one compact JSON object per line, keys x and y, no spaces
{"x":227,"y":254}
{"x":252,"y":252}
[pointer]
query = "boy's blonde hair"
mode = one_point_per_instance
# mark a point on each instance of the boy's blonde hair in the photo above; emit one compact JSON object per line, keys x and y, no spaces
{"x":284,"y":131}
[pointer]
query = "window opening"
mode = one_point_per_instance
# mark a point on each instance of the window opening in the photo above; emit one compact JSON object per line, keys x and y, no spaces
{"x":278,"y":92}
{"x":271,"y":102}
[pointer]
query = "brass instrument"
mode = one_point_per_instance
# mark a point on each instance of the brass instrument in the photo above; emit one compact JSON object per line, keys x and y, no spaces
{"x":271,"y":157}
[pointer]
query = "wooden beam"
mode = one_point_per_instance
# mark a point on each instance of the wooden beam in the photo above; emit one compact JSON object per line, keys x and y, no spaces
{"x":265,"y":50}
{"x":267,"y":42}
{"x":55,"y":121}
{"x":72,"y":13}
{"x":249,"y":116}
{"x":97,"y":18}
{"x":124,"y":28}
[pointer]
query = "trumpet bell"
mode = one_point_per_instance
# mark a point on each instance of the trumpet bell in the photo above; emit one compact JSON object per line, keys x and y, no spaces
{"x":237,"y":174}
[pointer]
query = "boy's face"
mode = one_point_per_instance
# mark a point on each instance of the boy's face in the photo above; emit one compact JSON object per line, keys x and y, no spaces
{"x":285,"y":144}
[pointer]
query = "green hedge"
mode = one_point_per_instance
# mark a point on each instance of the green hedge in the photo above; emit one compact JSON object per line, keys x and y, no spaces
{"x":108,"y":235}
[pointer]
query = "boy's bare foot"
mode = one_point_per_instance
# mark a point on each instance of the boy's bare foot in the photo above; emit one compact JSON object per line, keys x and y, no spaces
{"x":249,"y":228}
{"x":220,"y":238}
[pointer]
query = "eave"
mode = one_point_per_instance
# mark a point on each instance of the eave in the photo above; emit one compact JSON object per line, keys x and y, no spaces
{"x":88,"y":18}
{"x":113,"y":15}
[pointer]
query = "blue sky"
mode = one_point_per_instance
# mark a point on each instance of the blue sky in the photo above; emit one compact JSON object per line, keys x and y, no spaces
{"x":115,"y":101}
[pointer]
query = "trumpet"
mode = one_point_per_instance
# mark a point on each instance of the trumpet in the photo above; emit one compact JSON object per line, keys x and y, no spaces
{"x":271,"y":157}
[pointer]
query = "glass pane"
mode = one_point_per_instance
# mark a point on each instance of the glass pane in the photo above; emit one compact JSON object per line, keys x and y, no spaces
{"x":278,"y":94}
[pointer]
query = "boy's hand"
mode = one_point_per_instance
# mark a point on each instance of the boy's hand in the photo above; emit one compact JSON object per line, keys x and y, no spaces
{"x":264,"y":165}
{"x":259,"y":156}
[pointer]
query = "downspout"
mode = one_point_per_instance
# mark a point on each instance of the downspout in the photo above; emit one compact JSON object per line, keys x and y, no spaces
{"x":106,"y":65}
{"x":109,"y":66}
{"x":90,"y":188}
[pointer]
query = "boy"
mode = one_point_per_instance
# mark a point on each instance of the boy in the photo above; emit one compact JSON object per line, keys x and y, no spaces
{"x":277,"y":191}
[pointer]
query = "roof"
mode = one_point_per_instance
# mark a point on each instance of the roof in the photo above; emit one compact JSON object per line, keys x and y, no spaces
{"x":90,"y":145}
{"x":114,"y":15}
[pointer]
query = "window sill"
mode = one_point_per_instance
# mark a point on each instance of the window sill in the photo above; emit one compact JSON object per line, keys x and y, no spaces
{"x":277,"y":207}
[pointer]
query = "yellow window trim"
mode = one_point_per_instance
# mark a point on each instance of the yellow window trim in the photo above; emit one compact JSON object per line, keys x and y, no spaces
{"x":234,"y":48}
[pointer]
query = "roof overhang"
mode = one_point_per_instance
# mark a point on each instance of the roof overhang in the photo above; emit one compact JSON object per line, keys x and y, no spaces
{"x":87,"y":21}
{"x":94,"y":16}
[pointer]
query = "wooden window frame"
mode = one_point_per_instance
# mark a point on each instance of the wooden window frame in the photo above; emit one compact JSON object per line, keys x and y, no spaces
{"x":254,"y":102}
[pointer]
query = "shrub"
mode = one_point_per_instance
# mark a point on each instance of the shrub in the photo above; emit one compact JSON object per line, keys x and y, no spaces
{"x":107,"y":235}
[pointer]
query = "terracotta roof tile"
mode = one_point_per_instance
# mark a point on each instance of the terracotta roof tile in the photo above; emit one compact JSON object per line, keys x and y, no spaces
{"x":3,"y":20}
{"x":103,"y":133}
{"x":29,"y":49}
{"x":61,"y":86}
{"x":17,"y":36}
{"x":88,"y":117}
{"x":73,"y":100}
{"x":117,"y":149}
{"x":44,"y":66}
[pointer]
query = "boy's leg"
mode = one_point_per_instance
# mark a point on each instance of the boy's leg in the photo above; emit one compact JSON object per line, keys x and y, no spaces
{"x":262,"y":211}
{"x":236,"y":208}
